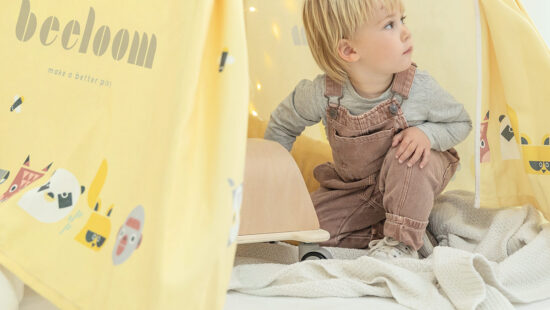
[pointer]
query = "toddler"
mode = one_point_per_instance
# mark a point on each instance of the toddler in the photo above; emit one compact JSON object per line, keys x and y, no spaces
{"x":391,"y":127}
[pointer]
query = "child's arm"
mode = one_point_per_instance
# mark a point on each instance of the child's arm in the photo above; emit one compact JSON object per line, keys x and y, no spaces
{"x":447,"y":123}
{"x":303,"y":107}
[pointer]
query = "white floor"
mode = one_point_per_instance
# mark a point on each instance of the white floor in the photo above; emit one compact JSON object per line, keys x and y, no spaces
{"x":238,"y":301}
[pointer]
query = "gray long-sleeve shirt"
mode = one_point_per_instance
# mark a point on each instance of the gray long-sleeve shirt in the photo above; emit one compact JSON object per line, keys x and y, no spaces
{"x":429,"y":108}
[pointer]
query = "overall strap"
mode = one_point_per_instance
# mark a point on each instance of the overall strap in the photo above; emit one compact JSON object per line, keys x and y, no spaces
{"x":333,"y":90}
{"x":333,"y":93}
{"x":403,"y":81}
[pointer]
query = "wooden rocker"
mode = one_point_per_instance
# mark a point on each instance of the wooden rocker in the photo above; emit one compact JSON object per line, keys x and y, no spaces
{"x":276,"y":204}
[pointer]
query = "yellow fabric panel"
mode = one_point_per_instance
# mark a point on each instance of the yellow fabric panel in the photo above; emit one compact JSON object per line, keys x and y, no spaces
{"x":153,"y":131}
{"x":516,"y":71}
{"x":445,"y":46}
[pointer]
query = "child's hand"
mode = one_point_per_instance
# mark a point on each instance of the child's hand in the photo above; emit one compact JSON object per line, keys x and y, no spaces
{"x":413,"y":140}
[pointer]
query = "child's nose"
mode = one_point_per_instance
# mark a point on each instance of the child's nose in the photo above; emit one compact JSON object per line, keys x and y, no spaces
{"x":405,"y":34}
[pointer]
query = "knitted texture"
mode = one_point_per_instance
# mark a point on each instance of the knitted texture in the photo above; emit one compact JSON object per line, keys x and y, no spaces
{"x":487,"y":259}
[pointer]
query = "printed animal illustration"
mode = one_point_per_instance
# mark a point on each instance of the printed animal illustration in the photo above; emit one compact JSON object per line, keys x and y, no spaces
{"x":4,"y":175}
{"x":536,"y":158}
{"x":24,"y":178}
{"x":509,"y":138}
{"x":97,"y":229}
{"x":237,"y":194}
{"x":129,"y":236}
{"x":54,"y":200}
{"x":17,"y":103}
{"x":485,"y":151}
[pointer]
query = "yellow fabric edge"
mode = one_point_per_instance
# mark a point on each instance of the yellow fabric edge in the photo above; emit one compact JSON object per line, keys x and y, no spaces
{"x":494,"y":202}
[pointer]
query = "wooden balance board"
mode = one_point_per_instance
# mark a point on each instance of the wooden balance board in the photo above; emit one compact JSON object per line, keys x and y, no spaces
{"x":276,"y":204}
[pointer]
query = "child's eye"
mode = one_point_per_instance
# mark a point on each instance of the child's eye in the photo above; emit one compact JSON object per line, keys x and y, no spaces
{"x":389,"y":26}
{"x":403,"y":19}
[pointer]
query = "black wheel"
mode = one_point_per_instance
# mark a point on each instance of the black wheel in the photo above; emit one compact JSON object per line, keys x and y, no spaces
{"x":313,"y":255}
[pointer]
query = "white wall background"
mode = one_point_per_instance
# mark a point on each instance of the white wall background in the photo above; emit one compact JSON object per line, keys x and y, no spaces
{"x":539,"y":11}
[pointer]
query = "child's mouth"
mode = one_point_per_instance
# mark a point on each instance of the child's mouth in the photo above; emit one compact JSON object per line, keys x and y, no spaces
{"x":408,"y":51}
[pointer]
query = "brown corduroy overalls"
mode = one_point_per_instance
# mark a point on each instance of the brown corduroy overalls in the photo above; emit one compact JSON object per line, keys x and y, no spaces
{"x":366,"y":193}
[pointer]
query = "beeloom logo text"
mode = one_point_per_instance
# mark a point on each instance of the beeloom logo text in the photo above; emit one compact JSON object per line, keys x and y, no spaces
{"x":142,"y":51}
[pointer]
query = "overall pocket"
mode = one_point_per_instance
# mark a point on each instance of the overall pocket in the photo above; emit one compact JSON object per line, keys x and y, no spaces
{"x":358,"y":157}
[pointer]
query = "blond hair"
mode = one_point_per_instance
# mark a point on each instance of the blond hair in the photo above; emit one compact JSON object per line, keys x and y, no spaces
{"x":328,"y":21}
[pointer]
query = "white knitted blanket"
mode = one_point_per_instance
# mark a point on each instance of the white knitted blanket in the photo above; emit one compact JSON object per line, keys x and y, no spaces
{"x":487,"y":259}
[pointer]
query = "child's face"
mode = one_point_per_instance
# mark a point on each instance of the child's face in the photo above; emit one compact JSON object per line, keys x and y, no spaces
{"x":384,"y":45}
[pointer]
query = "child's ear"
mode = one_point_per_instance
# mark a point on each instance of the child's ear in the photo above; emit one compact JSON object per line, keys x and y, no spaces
{"x":346,"y":51}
